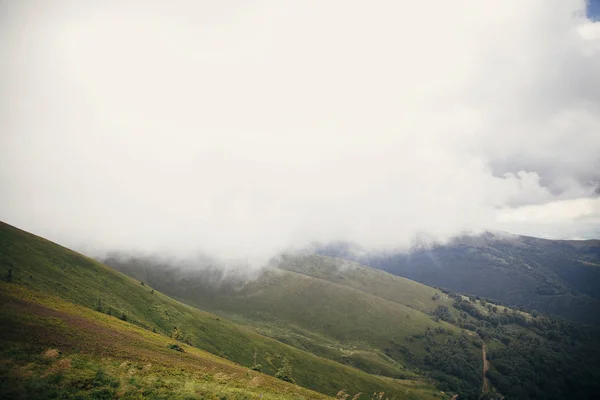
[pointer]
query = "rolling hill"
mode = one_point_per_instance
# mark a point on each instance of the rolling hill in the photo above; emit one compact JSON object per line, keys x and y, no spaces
{"x":389,"y":325}
{"x":560,"y":277}
{"x":63,"y":297}
{"x":315,"y":303}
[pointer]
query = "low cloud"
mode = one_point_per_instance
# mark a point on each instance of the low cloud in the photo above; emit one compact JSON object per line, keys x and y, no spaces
{"x":243,"y":129}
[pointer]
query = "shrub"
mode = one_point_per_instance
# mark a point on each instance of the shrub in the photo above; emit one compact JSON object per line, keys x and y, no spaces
{"x":285,"y":371}
{"x":176,"y":333}
{"x":175,"y":346}
{"x":188,"y":339}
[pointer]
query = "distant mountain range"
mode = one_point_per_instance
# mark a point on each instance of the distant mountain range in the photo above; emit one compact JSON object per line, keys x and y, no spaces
{"x":560,"y":277}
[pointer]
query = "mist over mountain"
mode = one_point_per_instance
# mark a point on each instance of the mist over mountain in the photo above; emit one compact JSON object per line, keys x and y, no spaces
{"x":392,"y":326}
{"x":277,"y":200}
{"x":560,"y":277}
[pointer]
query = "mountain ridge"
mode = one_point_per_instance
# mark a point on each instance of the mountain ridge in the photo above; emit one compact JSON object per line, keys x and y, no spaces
{"x":555,"y":276}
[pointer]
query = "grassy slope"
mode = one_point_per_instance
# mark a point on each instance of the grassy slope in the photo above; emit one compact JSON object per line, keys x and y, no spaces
{"x":387,"y":286}
{"x":104,"y":357}
{"x":329,"y":309}
{"x":45,"y":267}
{"x":553,"y":276}
{"x":319,"y":298}
{"x":336,"y":309}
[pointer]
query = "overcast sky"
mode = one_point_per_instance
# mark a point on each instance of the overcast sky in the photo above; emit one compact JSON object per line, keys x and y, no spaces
{"x":243,"y":127}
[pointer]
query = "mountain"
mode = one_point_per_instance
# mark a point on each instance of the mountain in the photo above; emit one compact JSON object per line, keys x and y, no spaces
{"x":295,"y":303}
{"x":560,"y":277}
{"x":73,"y":327}
{"x":391,"y":326}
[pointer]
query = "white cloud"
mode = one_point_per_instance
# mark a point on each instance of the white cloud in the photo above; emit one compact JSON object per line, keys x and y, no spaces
{"x":554,"y":212}
{"x":242,"y":128}
{"x":563,"y":219}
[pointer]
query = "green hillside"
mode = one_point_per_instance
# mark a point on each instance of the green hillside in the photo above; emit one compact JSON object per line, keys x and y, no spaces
{"x":317,"y":297}
{"x":55,"y":349}
{"x":560,"y":277}
{"x":392,"y":326}
{"x":40,"y":267}
{"x":348,"y":273}
{"x":316,"y":304}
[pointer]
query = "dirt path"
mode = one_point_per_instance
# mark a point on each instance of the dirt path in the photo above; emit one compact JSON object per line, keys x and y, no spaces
{"x":486,"y":366}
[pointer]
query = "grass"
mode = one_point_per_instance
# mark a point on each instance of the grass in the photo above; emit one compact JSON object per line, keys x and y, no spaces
{"x":54,"y":349}
{"x":330,"y":307}
{"x":54,"y":278}
{"x":376,"y":282}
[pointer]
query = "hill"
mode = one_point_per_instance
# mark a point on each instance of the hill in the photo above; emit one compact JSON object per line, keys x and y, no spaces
{"x":55,"y":349}
{"x":560,"y":277}
{"x":314,"y":303}
{"x":392,"y":326}
{"x":44,"y":276}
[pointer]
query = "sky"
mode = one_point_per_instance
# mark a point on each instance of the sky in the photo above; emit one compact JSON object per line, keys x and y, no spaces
{"x":243,"y":128}
{"x":593,"y":9}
